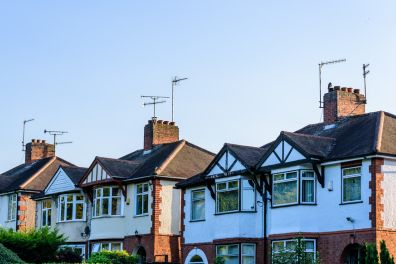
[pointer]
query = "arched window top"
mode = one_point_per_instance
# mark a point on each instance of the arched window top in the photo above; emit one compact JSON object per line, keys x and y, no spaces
{"x":196,"y":256}
{"x":196,"y":260}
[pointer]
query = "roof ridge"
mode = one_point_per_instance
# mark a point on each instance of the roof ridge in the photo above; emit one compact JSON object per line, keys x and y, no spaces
{"x":307,"y":135}
{"x":173,"y":154}
{"x":379,"y":132}
{"x":239,"y":145}
{"x":34,"y":176}
{"x":198,"y":147}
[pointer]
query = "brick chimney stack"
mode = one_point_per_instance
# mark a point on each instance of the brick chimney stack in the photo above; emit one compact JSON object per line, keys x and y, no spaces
{"x":159,"y":132}
{"x":38,"y":149}
{"x":342,"y":102}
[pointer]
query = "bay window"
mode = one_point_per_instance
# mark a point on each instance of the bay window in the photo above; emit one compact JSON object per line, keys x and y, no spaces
{"x":46,"y":210}
{"x":294,"y":187}
{"x":235,"y":195}
{"x":142,"y":194}
{"x":351,"y":184}
{"x":12,"y":207}
{"x":231,"y":253}
{"x":107,"y":201}
{"x":198,"y":205}
{"x":71,"y":207}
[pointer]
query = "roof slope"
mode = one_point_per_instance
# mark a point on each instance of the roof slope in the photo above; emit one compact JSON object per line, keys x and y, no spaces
{"x":247,"y":154}
{"x":23,"y":176}
{"x":75,"y":173}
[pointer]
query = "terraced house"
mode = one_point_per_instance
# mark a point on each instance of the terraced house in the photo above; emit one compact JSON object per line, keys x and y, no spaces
{"x":331,"y":183}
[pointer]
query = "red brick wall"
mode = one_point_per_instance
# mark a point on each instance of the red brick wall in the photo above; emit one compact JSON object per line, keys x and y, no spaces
{"x":341,"y":103}
{"x":26,"y":212}
{"x":38,"y":149}
{"x":160,"y":132}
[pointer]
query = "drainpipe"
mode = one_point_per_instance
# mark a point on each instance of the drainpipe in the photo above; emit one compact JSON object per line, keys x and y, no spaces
{"x":17,"y":210}
{"x":265,"y":224}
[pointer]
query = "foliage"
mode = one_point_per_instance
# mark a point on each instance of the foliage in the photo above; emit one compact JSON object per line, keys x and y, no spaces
{"x":68,"y":255}
{"x":297,"y":255}
{"x":7,"y":256}
{"x":371,"y":254}
{"x":114,"y":257}
{"x":219,"y":260}
{"x":385,"y":256}
{"x":34,"y":246}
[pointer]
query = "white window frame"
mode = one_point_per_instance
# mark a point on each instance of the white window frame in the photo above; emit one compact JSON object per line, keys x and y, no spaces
{"x":283,"y":181}
{"x":143,"y":193}
{"x":348,"y":177}
{"x":110,"y":244}
{"x":244,"y":255}
{"x":74,"y":206}
{"x":302,"y":178}
{"x":12,"y":207}
{"x":45,"y":211}
{"x":294,"y":240}
{"x":227,"y":189}
{"x":110,"y":197}
{"x":229,"y":245}
{"x":192,"y":204}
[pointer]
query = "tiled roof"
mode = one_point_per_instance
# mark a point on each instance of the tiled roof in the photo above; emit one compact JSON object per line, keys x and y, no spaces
{"x":75,"y":173}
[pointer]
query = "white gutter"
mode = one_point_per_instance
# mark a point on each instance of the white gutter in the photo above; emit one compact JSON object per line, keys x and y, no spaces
{"x":340,"y":161}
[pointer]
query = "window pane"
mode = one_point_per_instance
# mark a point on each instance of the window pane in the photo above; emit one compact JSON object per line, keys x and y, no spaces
{"x":198,"y":194}
{"x":227,"y":201}
{"x":79,"y":211}
{"x":145,"y":187}
{"x":70,"y":198}
{"x":69,"y":211}
{"x":49,"y":217}
{"x":285,"y":192}
{"x":79,"y":198}
{"x":278,"y":246}
{"x":97,"y":207}
{"x":105,"y":206}
{"x":105,"y":246}
{"x":233,"y":184}
{"x":352,"y":189}
{"x":308,"y":191}
{"x":145,"y":204}
{"x":291,"y":245}
{"x":139,"y":188}
{"x":221,"y":186}
{"x":352,"y":171}
{"x":309,"y":245}
{"x":231,"y":260}
{"x":233,"y":250}
{"x":278,"y":177}
{"x":106,"y":192}
{"x":198,"y":210}
{"x":116,"y":191}
{"x":139,"y":204}
{"x":115,"y":246}
{"x":291,"y":175}
{"x":62,"y":208}
{"x":308,"y":174}
{"x":247,"y":260}
{"x":248,"y":250}
{"x":116,"y":206}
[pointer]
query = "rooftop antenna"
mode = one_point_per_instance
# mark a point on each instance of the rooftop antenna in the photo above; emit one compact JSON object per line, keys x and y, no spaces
{"x":154,"y":102}
{"x":320,"y":77}
{"x":175,"y":81}
{"x":365,"y":72}
{"x":23,"y":133}
{"x":56,"y":133}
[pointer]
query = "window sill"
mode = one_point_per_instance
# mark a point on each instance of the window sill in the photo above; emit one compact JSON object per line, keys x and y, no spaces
{"x":108,"y":216}
{"x":71,"y":221}
{"x":200,"y":220}
{"x":297,"y":204}
{"x":142,"y":215}
{"x":355,"y":202}
{"x":236,"y":212}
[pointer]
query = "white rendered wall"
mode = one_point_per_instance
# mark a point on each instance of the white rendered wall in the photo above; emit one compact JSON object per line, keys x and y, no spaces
{"x":4,"y":213}
{"x":389,"y":197}
{"x":230,"y":225}
{"x":170,"y":208}
{"x":328,"y":214}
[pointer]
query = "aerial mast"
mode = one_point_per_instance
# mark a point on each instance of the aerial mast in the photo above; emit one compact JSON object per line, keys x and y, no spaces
{"x":154,"y":102}
{"x":23,"y":133}
{"x":175,"y":81}
{"x":320,"y":77}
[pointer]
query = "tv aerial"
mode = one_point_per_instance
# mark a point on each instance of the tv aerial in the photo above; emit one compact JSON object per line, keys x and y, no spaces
{"x":23,"y":133}
{"x":56,"y":133}
{"x":175,"y":82}
{"x":365,"y":72}
{"x":155,"y":99}
{"x":320,"y":77}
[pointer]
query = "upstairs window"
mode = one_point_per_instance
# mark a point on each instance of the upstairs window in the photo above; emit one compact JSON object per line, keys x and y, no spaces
{"x":142,"y":194}
{"x":285,"y":188}
{"x":71,"y":207}
{"x":12,"y":207}
{"x":107,"y":202}
{"x":46,"y":213}
{"x":227,"y":196}
{"x":307,"y":187}
{"x":198,"y":205}
{"x":351,"y":184}
{"x":294,"y":187}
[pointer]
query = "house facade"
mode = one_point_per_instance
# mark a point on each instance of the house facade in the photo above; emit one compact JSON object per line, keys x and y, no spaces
{"x":134,"y":205}
{"x":64,"y":206}
{"x":19,"y":184}
{"x":329,"y":183}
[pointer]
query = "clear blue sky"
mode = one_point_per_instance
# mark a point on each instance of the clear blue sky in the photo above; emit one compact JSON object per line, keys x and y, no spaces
{"x":81,"y":66}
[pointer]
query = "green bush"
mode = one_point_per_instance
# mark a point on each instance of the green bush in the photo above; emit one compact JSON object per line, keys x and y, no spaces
{"x":371,"y":254}
{"x":7,"y":256}
{"x":296,"y":255}
{"x":219,"y":260}
{"x":68,"y":255}
{"x":113,"y":257}
{"x":385,"y":256}
{"x":34,"y":246}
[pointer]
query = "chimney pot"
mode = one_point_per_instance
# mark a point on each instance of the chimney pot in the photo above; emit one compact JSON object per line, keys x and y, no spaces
{"x":172,"y":123}
{"x":336,"y":88}
{"x":38,"y":149}
{"x":343,"y":89}
{"x":349,"y":89}
{"x":356,"y":91}
{"x":166,"y":122}
{"x":158,"y":133}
